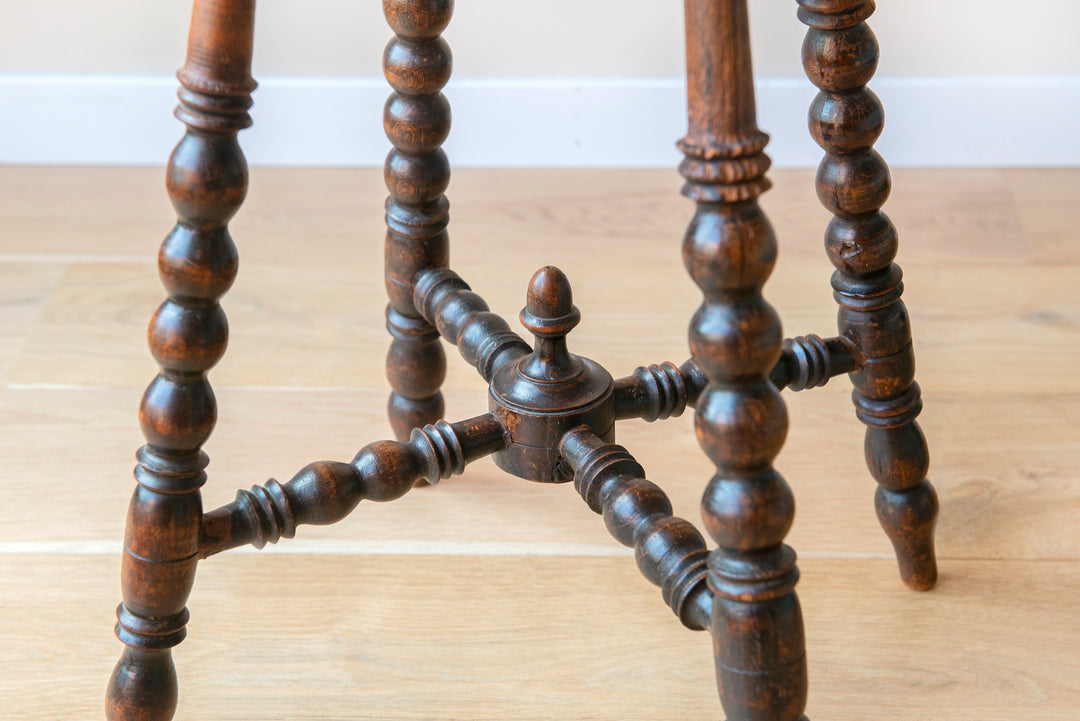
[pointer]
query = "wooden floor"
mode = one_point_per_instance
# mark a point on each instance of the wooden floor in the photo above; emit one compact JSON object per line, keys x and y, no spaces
{"x":492,"y":598}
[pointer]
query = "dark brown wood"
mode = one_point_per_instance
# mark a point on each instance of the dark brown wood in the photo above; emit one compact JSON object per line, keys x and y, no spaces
{"x":662,"y":391}
{"x":840,"y":55}
{"x":550,"y":391}
{"x":810,"y":361}
{"x":552,"y":413}
{"x":735,"y":338}
{"x":658,"y":391}
{"x":417,"y":64}
{"x":670,"y":552}
{"x":464,"y":319}
{"x":325,"y":492}
{"x":207,"y":181}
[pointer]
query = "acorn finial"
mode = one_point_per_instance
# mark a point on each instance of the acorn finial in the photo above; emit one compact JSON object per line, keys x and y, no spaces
{"x":550,"y":314}
{"x":549,"y":308}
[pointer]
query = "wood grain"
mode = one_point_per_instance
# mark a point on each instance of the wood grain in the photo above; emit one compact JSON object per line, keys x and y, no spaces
{"x":729,"y":250}
{"x":91,"y":332}
{"x":994,"y":491}
{"x":990,"y":279}
{"x":25,"y":289}
{"x":490,"y":638}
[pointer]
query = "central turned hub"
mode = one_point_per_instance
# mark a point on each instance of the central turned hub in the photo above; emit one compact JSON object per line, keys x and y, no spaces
{"x":549,"y":391}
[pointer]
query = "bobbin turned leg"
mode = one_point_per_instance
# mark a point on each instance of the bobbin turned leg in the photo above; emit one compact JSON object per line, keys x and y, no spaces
{"x":741,"y":421}
{"x":417,"y":64}
{"x":207,"y":181}
{"x":840,"y":55}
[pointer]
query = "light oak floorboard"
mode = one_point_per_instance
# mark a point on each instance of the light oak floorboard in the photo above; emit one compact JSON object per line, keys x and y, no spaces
{"x":422,"y":637}
{"x":492,"y":598}
{"x":306,"y":327}
{"x":1004,"y":467}
{"x":25,"y":290}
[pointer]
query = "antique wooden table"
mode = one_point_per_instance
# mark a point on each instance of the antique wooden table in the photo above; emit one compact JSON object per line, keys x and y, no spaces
{"x":552,"y":414}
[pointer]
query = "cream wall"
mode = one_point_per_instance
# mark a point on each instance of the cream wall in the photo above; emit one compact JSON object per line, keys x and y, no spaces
{"x":549,"y":38}
{"x":572,"y":83}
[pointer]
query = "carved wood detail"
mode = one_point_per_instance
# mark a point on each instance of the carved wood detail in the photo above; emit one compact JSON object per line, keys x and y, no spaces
{"x":417,"y":64}
{"x":741,"y":420}
{"x":670,"y":552}
{"x":552,"y":413}
{"x":840,"y":55}
{"x":325,"y":492}
{"x":464,"y":319}
{"x":810,"y":361}
{"x":658,"y":391}
{"x":207,"y":181}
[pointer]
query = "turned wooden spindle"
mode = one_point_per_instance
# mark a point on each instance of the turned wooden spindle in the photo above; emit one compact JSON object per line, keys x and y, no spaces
{"x":552,"y":414}
{"x":659,"y":391}
{"x":551,"y":391}
{"x":740,"y":420}
{"x":670,"y":552}
{"x":809,"y":361}
{"x":464,"y":319}
{"x":207,"y":181}
{"x":325,"y":492}
{"x":417,"y":64}
{"x":840,"y":55}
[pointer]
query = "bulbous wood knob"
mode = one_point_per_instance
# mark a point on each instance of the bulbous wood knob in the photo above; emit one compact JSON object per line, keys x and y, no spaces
{"x":549,"y":391}
{"x":549,"y":307}
{"x":549,"y":314}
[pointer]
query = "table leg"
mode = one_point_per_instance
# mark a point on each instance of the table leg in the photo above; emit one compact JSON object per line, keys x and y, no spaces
{"x":207,"y":181}
{"x":840,"y":55}
{"x":735,"y":337}
{"x":417,"y":63}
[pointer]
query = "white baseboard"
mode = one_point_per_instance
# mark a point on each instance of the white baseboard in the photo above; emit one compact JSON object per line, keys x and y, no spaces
{"x":557,"y":122}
